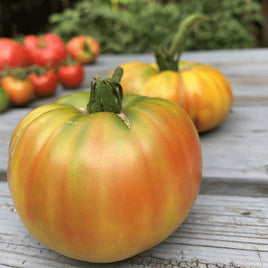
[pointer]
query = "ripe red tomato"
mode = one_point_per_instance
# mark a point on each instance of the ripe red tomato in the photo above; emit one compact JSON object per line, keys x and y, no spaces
{"x":103,"y":186}
{"x":71,"y":76}
{"x":45,"y":84}
{"x":44,"y":50}
{"x":84,"y":48}
{"x":13,"y":54}
{"x":20,"y":91}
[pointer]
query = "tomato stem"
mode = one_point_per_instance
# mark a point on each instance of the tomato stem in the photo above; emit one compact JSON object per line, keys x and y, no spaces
{"x":106,"y":94}
{"x":184,"y":30}
{"x":86,"y":47}
{"x":42,"y":42}
{"x":19,"y":73}
{"x":169,"y":59}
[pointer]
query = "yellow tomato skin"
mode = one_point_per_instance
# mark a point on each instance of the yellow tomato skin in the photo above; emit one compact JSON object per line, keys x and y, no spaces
{"x":166,"y":84}
{"x":207,"y":95}
{"x":136,"y":74}
{"x":200,"y":89}
{"x":94,"y":189}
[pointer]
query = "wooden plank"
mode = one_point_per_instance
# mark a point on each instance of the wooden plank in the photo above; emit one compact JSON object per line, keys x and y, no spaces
{"x":238,"y":149}
{"x":235,"y":187}
{"x":8,"y":122}
{"x":226,"y":231}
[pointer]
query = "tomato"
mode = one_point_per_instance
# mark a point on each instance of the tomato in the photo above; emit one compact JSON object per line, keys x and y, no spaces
{"x":45,"y":50}
{"x":45,"y":84}
{"x":20,"y":91}
{"x":84,"y":48}
{"x":13,"y":54}
{"x":200,"y":89}
{"x":203,"y":92}
{"x":99,"y":182}
{"x":71,"y":76}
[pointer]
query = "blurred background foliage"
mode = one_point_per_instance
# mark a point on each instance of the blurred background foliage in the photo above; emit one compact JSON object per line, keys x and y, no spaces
{"x":130,"y":26}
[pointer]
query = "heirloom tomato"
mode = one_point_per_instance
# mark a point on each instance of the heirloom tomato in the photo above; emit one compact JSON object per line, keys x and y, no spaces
{"x":45,"y":50}
{"x":71,"y":74}
{"x":20,"y":91}
{"x":98,"y":182}
{"x":200,"y":89}
{"x":45,"y":81}
{"x":13,"y":54}
{"x":84,"y":48}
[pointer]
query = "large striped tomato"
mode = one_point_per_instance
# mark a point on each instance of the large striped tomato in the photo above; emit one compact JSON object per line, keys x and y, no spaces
{"x":103,"y":186}
{"x":200,"y":89}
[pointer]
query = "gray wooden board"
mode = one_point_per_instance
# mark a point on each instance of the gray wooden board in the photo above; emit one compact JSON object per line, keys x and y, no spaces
{"x":226,"y":231}
{"x":238,"y":149}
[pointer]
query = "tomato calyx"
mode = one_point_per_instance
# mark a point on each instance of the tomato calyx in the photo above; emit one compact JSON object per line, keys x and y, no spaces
{"x":18,"y":73}
{"x":67,"y":62}
{"x":38,"y":69}
{"x":86,"y":48}
{"x":165,"y":61}
{"x":168,"y":59}
{"x":106,"y":94}
{"x":41,"y":43}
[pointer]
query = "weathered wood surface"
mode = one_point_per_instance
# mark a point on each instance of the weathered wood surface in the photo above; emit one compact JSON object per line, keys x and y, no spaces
{"x":228,"y":226}
{"x":220,"y":231}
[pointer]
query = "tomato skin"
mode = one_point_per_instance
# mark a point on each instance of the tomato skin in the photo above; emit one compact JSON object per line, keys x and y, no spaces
{"x":71,"y":76}
{"x":200,"y":89}
{"x":76,"y":47}
{"x":94,"y":189}
{"x":46,"y":84}
{"x":13,"y":54}
{"x":48,"y":49}
{"x":20,"y":92}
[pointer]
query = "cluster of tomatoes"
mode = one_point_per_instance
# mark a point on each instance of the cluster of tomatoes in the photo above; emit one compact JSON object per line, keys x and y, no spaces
{"x":36,"y":66}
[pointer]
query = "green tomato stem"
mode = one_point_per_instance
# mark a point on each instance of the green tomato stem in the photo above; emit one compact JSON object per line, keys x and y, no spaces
{"x":106,"y":94}
{"x":86,"y":47}
{"x":169,"y":59}
{"x":184,"y":30}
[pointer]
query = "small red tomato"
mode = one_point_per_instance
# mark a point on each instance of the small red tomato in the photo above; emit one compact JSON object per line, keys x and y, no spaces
{"x":44,"y":50}
{"x":71,"y":76}
{"x":13,"y":54}
{"x":45,"y":84}
{"x":84,"y":48}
